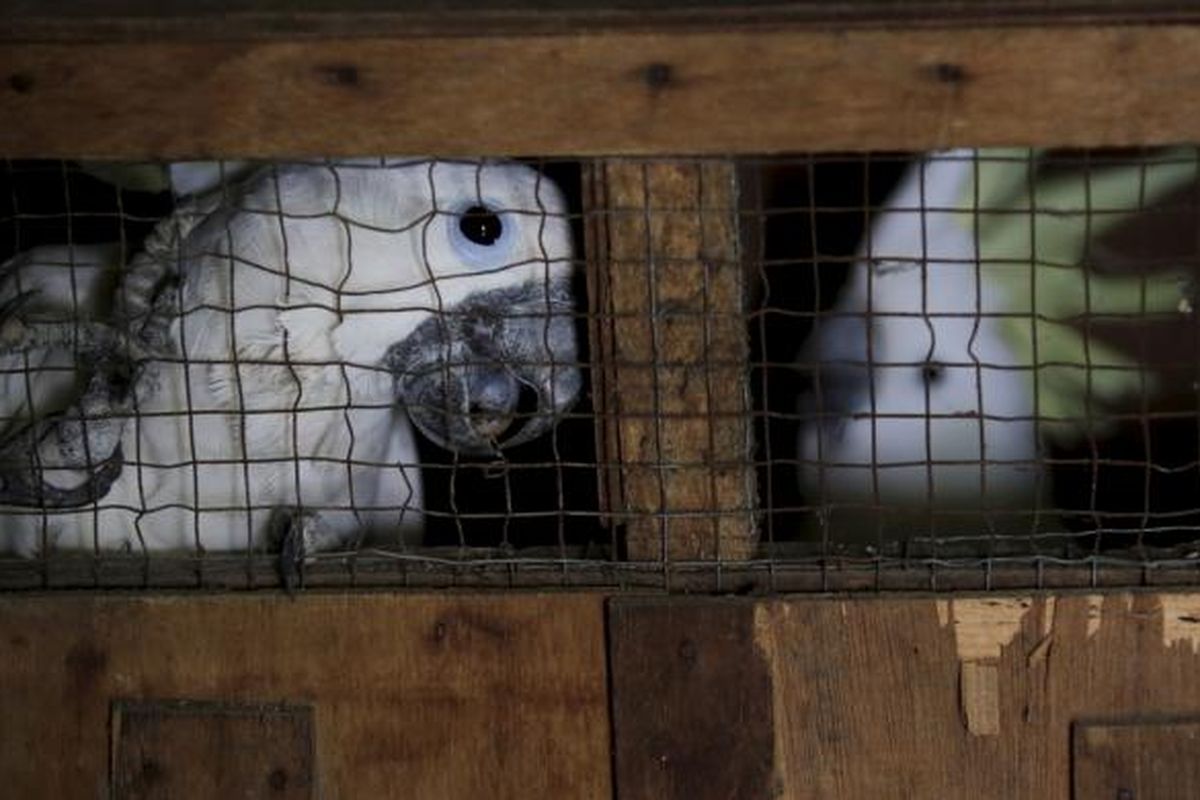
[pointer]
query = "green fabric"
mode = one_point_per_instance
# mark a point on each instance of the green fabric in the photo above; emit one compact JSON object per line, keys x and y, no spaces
{"x":1026,"y":218}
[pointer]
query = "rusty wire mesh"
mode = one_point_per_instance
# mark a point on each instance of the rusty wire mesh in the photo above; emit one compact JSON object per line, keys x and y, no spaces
{"x":973,"y":369}
{"x":999,"y":368}
{"x":266,"y":342}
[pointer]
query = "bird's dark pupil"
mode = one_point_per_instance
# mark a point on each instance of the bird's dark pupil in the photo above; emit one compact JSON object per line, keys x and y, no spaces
{"x":932,"y":371}
{"x":481,"y":225}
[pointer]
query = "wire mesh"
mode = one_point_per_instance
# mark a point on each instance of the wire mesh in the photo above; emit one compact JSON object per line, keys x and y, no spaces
{"x":969,"y":369}
{"x":999,"y":361}
{"x":219,"y":369}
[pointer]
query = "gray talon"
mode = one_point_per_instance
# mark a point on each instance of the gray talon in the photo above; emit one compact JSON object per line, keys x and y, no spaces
{"x":85,"y":438}
{"x":295,"y":534}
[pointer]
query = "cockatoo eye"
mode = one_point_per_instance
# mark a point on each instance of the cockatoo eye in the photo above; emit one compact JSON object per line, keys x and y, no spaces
{"x":481,"y":225}
{"x":481,"y":236}
{"x":932,"y":372}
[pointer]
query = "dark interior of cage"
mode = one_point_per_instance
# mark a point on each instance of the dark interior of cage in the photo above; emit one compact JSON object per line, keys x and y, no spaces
{"x":538,"y":497}
{"x":1127,"y":487}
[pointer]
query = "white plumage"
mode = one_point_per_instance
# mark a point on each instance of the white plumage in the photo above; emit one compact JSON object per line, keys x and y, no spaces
{"x":997,"y":305}
{"x":922,"y":414}
{"x":280,"y":335}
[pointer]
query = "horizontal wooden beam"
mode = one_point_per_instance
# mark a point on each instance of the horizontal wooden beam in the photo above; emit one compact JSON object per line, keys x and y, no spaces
{"x":585,"y":91}
{"x":136,"y":20}
{"x":454,"y":568}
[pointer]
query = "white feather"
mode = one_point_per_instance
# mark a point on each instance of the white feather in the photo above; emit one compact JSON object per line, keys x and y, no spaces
{"x":273,"y":394}
{"x":958,"y":453}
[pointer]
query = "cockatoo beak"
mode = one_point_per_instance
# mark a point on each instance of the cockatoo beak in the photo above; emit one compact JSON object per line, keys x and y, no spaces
{"x":496,"y":370}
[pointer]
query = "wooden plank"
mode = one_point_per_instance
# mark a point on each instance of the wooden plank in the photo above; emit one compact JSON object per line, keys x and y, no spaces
{"x":922,"y":696}
{"x":1137,"y":758}
{"x":669,"y":285}
{"x":691,"y":701}
{"x":438,"y":696}
{"x":181,"y":750}
{"x":780,"y":569}
{"x":265,"y":19}
{"x":762,"y":89}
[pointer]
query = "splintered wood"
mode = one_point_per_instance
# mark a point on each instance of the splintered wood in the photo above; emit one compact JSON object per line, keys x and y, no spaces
{"x":668,"y":290}
{"x":997,"y":697}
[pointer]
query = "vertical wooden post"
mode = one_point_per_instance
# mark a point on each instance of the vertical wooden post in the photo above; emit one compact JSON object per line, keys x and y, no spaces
{"x":669,"y":303}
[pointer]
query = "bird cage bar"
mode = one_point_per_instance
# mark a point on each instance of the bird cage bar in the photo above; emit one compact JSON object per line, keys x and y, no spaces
{"x":670,"y":297}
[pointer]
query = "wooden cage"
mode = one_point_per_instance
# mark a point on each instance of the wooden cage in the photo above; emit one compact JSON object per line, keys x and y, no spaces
{"x":639,"y":676}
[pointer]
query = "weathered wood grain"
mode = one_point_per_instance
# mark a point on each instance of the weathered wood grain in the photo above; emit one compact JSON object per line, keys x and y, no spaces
{"x":412,"y":695}
{"x":870,"y":695}
{"x":670,"y":302}
{"x":691,"y":701}
{"x":176,"y":750}
{"x":68,"y":20}
{"x":585,"y":90}
{"x":782,"y":568}
{"x":970,"y":697}
{"x":1152,"y":759}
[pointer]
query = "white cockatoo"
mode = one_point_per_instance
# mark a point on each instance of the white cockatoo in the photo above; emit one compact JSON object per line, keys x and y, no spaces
{"x":267,"y":349}
{"x":961,"y":343}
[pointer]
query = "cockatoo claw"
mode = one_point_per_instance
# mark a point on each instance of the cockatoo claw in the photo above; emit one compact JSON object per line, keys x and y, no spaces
{"x":297,"y":534}
{"x":23,"y":486}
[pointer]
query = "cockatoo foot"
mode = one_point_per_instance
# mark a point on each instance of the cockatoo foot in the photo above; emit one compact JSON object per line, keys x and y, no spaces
{"x":20,"y":484}
{"x":296,"y":535}
{"x":84,"y":441}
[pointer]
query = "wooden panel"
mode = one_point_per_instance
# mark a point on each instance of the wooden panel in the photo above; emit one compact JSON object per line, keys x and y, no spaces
{"x":439,"y":697}
{"x":691,"y":701}
{"x":893,"y":715}
{"x":920,"y":697}
{"x":782,"y":567}
{"x":181,"y":750}
{"x":1135,"y":759}
{"x":673,"y":90}
{"x":672,"y":336}
{"x":264,"y":19}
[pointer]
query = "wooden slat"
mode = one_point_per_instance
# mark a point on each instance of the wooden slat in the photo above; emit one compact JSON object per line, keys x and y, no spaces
{"x":669,"y":288}
{"x":628,"y":91}
{"x":77,"y":20}
{"x":1137,"y":758}
{"x":420,"y":696}
{"x":691,"y":701}
{"x":177,"y":750}
{"x":781,"y":568}
{"x":912,"y":697}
